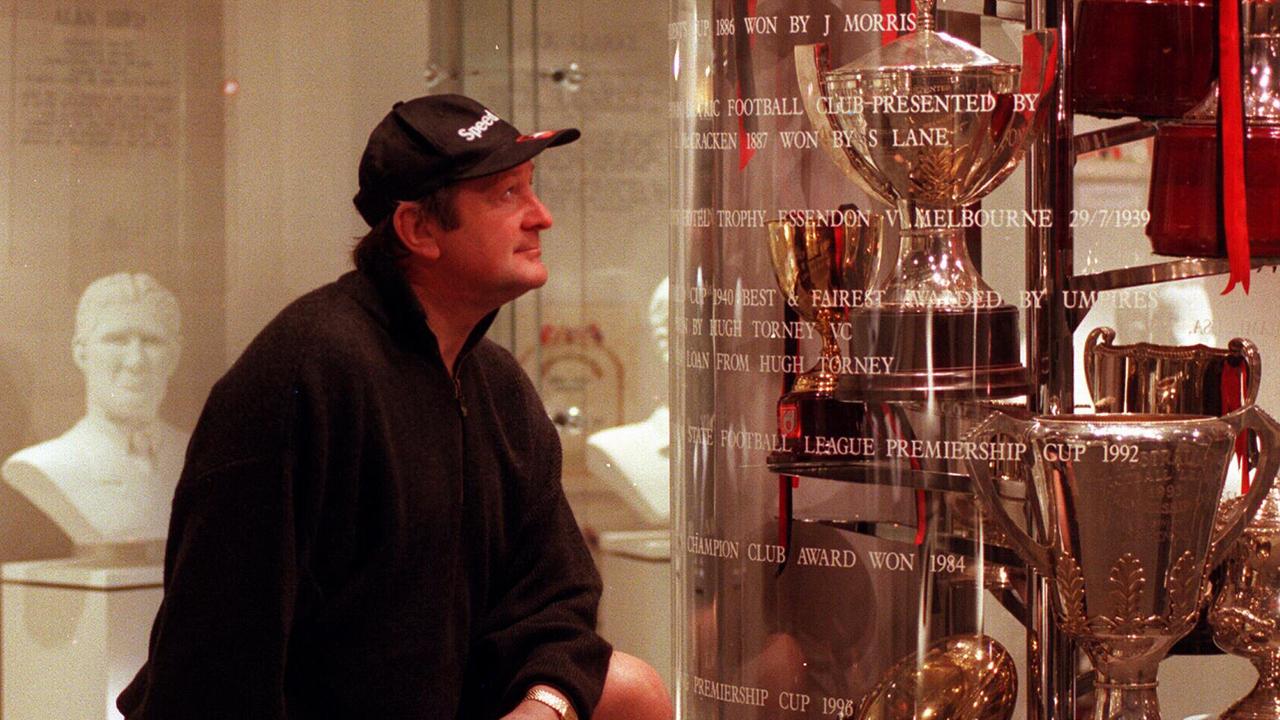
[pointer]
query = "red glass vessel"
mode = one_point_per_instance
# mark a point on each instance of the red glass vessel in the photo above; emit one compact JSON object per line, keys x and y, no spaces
{"x":1183,"y":197}
{"x":1143,"y":58}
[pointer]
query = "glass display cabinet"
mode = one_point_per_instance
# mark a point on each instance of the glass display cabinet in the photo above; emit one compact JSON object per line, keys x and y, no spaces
{"x":947,"y":440}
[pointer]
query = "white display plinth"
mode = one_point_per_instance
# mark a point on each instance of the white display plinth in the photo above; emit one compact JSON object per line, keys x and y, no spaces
{"x":75,"y":633}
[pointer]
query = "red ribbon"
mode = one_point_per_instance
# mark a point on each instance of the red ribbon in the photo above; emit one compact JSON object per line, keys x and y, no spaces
{"x":890,"y":7}
{"x":1235,"y":378}
{"x":1038,"y":71}
{"x":1235,"y":219}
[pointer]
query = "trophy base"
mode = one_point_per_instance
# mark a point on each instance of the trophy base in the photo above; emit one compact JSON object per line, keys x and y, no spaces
{"x":815,"y":425}
{"x":940,"y":353}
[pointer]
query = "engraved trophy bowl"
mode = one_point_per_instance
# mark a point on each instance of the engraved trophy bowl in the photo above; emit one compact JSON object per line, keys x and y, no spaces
{"x":815,"y":265}
{"x":1147,"y":378}
{"x":1246,"y":614}
{"x":1129,"y":513}
{"x":963,"y":677}
{"x":928,"y":125}
{"x":1195,"y":379}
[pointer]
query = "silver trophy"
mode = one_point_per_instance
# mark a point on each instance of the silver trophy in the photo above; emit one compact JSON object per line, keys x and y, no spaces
{"x":1147,"y":378}
{"x":929,"y":125}
{"x":1246,"y":614}
{"x":1129,"y":513}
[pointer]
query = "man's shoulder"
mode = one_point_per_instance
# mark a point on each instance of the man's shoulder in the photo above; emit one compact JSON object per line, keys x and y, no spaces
{"x":326,"y":330}
{"x":329,"y":312}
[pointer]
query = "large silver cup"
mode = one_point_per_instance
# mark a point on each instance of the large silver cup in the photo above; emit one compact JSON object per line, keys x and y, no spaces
{"x":927,"y":125}
{"x":1128,"y":510}
{"x":1182,"y":379}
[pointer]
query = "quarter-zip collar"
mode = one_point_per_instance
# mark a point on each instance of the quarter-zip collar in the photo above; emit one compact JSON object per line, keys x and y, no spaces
{"x":397,"y":306}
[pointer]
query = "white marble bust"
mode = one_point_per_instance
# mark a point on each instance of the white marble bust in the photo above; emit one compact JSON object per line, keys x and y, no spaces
{"x":634,"y":460}
{"x":109,"y":480}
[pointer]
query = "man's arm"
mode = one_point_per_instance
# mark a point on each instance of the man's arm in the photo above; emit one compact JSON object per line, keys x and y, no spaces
{"x":232,"y":580}
{"x":219,"y":639}
{"x":540,"y":623}
{"x":543,"y":627}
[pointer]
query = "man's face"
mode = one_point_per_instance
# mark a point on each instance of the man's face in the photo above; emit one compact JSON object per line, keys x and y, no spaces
{"x":127,"y":361}
{"x":495,"y":253}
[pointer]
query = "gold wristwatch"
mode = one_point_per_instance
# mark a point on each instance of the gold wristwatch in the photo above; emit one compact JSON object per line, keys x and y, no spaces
{"x":553,"y":701}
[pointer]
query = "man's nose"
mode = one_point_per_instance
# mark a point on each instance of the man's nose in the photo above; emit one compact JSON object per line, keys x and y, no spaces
{"x":539,"y":217}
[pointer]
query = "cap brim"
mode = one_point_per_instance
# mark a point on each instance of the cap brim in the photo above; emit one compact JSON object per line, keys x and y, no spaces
{"x":523,"y":149}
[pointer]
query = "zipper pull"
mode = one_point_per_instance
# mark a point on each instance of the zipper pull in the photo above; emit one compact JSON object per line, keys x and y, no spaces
{"x":457,"y":394}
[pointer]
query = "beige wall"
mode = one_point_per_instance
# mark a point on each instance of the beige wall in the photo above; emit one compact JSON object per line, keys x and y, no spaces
{"x":313,"y":79}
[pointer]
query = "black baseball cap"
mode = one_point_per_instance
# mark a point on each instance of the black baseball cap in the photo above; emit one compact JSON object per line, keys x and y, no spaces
{"x":429,"y":142}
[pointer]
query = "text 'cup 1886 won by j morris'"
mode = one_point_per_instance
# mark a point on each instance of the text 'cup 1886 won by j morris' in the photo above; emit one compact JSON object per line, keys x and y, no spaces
{"x":1132,"y":524}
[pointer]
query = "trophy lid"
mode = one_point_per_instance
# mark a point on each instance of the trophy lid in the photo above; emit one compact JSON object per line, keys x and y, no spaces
{"x":926,"y":49}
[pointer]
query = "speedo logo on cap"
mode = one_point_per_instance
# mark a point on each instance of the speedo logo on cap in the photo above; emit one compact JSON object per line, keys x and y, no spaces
{"x":476,"y":131}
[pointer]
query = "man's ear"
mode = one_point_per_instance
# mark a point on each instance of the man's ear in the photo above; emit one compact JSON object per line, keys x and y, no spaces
{"x":419,"y":233}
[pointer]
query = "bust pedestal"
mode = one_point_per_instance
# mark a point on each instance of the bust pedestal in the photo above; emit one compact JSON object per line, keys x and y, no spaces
{"x":75,"y":633}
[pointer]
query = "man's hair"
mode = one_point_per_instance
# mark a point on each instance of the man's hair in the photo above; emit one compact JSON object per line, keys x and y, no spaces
{"x":382,"y":242}
{"x":107,"y":293}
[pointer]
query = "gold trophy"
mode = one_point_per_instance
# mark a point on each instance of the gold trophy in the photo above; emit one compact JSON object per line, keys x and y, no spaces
{"x":811,"y":260}
{"x":929,"y":125}
{"x":1132,"y":523}
{"x":963,"y":677}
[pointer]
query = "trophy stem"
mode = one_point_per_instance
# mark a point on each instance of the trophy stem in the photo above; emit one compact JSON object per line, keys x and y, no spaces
{"x":1124,"y":701}
{"x":934,"y":270}
{"x":830,"y":349}
{"x":824,"y":375}
{"x":1263,"y":701}
{"x":924,"y":13}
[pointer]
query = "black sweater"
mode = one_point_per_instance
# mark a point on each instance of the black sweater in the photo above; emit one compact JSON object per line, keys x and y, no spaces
{"x":357,"y":535}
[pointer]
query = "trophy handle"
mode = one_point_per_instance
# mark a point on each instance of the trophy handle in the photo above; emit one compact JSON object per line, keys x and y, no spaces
{"x":984,"y":483}
{"x":1102,"y":336}
{"x":811,"y":62}
{"x":1228,"y":526}
{"x":1253,"y":361}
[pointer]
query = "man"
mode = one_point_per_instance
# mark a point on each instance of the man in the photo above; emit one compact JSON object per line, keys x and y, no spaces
{"x":107,"y":481}
{"x":370,"y":521}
